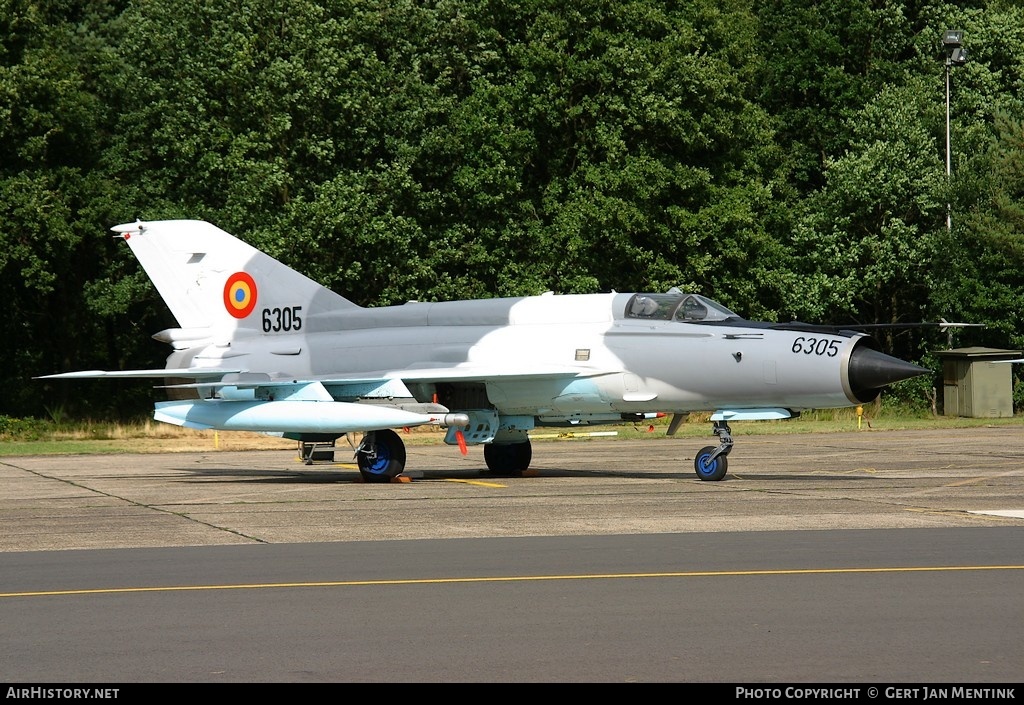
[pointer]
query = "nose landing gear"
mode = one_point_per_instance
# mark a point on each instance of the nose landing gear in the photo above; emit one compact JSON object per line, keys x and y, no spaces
{"x":711,"y":463}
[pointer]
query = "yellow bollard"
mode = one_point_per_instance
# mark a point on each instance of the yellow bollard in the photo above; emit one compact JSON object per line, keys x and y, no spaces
{"x":860,"y":415}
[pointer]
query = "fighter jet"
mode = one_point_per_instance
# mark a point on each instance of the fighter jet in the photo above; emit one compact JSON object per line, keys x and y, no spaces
{"x":261,"y":347}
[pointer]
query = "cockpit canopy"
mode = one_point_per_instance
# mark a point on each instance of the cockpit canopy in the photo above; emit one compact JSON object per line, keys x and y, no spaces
{"x":677,"y":305}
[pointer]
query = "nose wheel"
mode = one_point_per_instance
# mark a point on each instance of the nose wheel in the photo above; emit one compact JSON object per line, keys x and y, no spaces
{"x":711,"y":463}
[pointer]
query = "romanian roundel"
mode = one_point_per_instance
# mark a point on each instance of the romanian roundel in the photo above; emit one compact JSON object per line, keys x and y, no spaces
{"x":240,"y":295}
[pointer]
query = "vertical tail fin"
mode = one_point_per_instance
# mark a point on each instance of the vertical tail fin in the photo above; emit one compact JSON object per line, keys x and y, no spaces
{"x":211,"y":279}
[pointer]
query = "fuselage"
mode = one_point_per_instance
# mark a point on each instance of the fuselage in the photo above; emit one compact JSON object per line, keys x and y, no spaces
{"x":559,"y":356}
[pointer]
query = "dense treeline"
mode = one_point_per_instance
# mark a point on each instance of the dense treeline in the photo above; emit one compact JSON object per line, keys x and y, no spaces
{"x":786,"y":157}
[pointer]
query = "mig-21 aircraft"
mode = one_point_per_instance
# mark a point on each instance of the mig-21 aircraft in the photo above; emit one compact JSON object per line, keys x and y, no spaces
{"x":261,"y":347}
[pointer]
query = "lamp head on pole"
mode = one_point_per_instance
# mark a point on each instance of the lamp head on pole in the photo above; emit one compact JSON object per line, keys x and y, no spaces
{"x":952,"y":40}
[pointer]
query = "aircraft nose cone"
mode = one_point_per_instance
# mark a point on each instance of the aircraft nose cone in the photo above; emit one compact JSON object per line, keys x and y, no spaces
{"x":870,"y":370}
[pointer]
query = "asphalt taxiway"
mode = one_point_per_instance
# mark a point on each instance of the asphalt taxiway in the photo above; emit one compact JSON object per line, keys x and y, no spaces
{"x":580,"y":486}
{"x":870,"y":559}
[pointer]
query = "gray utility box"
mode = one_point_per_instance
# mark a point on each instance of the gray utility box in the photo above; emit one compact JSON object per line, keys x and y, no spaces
{"x":976,"y":384}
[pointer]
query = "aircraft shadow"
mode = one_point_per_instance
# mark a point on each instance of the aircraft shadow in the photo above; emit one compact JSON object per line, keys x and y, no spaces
{"x":324,"y":475}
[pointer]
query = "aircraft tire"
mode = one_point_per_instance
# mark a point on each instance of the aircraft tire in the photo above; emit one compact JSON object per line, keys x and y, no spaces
{"x":707,"y":469}
{"x":388,"y":459}
{"x":508,"y":459}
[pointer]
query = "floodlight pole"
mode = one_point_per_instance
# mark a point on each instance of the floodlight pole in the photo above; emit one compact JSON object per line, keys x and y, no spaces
{"x":949,"y":161}
{"x":952,"y":41}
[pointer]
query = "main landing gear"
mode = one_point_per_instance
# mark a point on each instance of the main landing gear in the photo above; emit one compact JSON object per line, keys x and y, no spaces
{"x":380,"y":456}
{"x":508,"y":459}
{"x":711,"y":463}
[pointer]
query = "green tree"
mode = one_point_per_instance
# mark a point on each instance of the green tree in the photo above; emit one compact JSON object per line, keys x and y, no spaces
{"x":615,"y":145}
{"x":784,"y":157}
{"x":52,"y":194}
{"x":825,"y":60}
{"x":985,"y":270}
{"x":979,"y":271}
{"x":869,"y":235}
